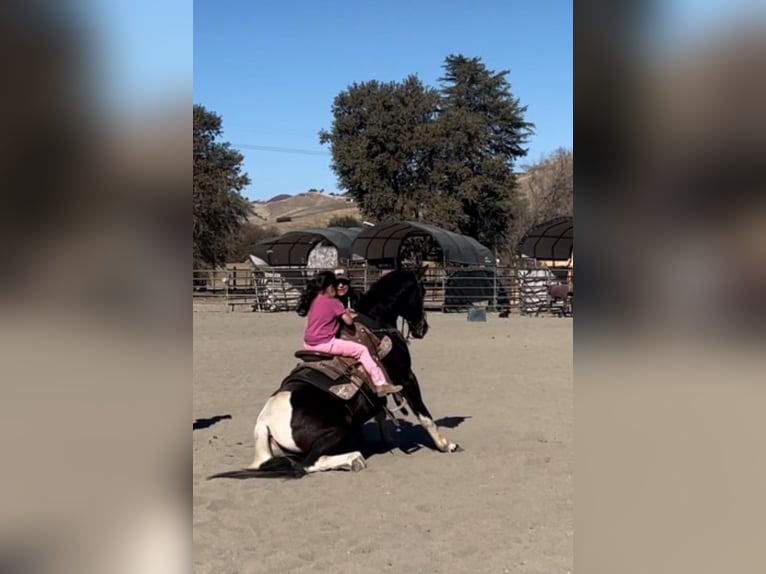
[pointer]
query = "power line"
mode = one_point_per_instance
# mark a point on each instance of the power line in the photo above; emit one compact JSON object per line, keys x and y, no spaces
{"x":281,"y":149}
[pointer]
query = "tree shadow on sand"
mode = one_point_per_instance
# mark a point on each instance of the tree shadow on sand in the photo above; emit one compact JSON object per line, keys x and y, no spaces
{"x":409,"y":437}
{"x":208,"y":422}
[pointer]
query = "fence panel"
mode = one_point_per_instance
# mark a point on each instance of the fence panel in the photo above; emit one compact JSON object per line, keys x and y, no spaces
{"x":520,"y":287}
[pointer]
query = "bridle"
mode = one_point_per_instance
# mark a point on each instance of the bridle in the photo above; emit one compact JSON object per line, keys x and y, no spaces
{"x":407,"y":324}
{"x":421,"y":326}
{"x":405,"y":328}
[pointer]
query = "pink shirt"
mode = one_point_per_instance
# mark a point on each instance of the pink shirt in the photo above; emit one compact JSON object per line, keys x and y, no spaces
{"x":322,"y":320}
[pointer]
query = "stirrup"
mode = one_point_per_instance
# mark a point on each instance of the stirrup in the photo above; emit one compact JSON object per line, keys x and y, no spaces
{"x":387,"y":389}
{"x":391,"y":412}
{"x":399,"y":405}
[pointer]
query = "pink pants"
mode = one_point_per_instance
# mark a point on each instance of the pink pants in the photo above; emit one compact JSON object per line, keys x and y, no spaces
{"x":343,"y":348}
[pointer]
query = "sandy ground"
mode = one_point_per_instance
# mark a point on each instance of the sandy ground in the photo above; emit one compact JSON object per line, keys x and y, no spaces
{"x":501,"y":389}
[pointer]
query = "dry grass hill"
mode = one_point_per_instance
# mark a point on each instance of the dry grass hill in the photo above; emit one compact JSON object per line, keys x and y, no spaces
{"x":314,"y":209}
{"x":306,"y":210}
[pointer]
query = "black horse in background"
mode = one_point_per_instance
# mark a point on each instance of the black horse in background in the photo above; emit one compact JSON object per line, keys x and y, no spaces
{"x":301,"y":425}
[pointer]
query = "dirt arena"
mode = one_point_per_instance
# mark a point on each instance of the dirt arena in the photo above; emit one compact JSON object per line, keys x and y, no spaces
{"x":501,"y":389}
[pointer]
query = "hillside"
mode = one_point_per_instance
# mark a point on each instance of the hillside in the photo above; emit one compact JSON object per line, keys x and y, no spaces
{"x":312,"y":209}
{"x":306,"y":210}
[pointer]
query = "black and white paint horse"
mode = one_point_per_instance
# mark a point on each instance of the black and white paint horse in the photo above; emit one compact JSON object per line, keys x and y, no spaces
{"x":301,"y":425}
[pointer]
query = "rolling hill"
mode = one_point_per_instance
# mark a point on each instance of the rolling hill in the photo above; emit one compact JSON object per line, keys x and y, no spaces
{"x":305,"y":210}
{"x":314,"y":209}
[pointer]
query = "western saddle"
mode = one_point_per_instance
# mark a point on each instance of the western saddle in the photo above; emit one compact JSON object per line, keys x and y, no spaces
{"x":336,"y":367}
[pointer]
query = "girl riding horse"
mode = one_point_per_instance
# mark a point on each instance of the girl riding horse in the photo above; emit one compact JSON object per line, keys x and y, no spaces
{"x":323,"y":311}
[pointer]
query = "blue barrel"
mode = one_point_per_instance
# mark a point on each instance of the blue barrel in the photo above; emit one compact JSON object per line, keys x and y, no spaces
{"x":477,"y":314}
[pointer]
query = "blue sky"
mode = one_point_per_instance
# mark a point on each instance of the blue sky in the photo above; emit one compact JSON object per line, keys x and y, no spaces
{"x":271,"y":69}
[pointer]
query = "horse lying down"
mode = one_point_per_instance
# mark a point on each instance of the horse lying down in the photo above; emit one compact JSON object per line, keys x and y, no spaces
{"x":301,"y":424}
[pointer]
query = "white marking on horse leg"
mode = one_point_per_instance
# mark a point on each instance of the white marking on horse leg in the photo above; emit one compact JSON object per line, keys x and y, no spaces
{"x":441,"y":443}
{"x":279,"y":418}
{"x":262,"y":446}
{"x":274,"y":421}
{"x":348,"y":461}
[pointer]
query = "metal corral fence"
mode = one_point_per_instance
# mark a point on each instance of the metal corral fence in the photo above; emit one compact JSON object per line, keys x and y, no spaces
{"x":519,"y":288}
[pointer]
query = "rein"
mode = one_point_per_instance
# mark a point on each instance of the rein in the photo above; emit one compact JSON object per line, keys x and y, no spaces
{"x":380,"y":328}
{"x":408,"y":335}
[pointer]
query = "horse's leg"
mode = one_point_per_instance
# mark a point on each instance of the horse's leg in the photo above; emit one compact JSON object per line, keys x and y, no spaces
{"x":347,"y":461}
{"x":272,"y":432}
{"x":317,"y":459}
{"x":441,"y":442}
{"x":414,"y":398}
{"x":262,"y":446}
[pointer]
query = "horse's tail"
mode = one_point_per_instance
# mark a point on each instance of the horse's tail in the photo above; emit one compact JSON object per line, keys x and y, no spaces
{"x":265,"y":464}
{"x":277,"y":467}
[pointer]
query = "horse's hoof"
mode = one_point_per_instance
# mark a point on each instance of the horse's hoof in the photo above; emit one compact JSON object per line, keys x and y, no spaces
{"x":455,"y":448}
{"x":358,"y":464}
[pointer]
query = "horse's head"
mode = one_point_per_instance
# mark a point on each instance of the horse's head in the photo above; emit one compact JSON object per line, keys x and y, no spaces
{"x":413,"y":307}
{"x":400,"y":293}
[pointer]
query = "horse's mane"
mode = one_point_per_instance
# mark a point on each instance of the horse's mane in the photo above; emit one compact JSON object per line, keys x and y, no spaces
{"x":382,"y":295}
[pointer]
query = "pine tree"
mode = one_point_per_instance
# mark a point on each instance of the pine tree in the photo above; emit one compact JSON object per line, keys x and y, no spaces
{"x":476,"y":166}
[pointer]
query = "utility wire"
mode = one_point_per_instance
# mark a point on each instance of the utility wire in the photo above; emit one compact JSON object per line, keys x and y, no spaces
{"x":281,"y":149}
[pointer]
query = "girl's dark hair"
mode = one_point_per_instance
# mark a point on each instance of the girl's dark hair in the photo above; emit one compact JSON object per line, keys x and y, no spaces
{"x":314,"y":287}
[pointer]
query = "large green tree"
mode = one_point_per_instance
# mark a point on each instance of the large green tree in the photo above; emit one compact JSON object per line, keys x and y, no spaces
{"x":476,"y":167}
{"x":403,"y":150}
{"x":380,"y":141}
{"x":219,"y":210}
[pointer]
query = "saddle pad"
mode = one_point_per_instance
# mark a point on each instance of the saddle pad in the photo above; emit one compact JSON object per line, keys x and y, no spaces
{"x":333,"y":382}
{"x":329,"y":369}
